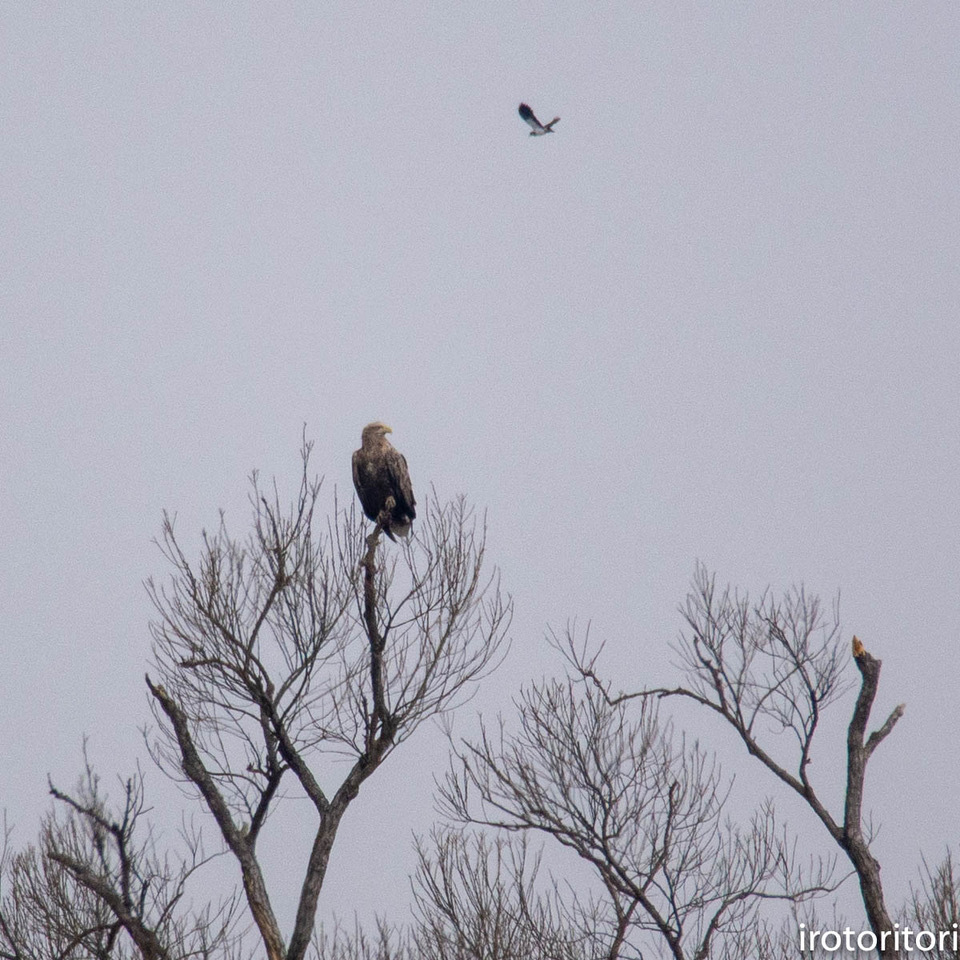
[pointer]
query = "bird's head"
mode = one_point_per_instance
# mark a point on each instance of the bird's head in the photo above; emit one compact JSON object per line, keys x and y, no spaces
{"x":375,"y":431}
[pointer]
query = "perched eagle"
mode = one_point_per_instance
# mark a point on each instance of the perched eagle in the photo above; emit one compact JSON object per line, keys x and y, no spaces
{"x":537,"y":128}
{"x":380,"y":476}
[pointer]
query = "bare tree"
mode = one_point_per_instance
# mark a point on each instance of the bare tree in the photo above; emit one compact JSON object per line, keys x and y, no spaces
{"x":477,"y":898}
{"x":385,"y":943}
{"x":645,"y":809}
{"x":935,"y":905}
{"x":776,"y":665}
{"x":282,"y":654}
{"x":97,"y":887}
{"x":295,"y":659}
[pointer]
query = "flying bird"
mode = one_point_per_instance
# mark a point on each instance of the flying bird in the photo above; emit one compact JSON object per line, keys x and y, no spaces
{"x":537,"y":128}
{"x":383,"y":482}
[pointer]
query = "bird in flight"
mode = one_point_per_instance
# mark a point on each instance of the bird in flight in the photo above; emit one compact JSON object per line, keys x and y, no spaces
{"x":383,"y":483}
{"x":537,"y":129}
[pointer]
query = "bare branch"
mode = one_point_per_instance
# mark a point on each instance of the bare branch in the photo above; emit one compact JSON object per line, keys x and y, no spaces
{"x":97,"y":876}
{"x":774,"y":666}
{"x":633,"y":800}
{"x":289,"y":649}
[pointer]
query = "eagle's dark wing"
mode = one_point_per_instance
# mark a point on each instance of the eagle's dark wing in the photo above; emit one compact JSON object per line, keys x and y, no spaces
{"x":405,"y":509}
{"x":369,"y":495}
{"x":527,"y":114}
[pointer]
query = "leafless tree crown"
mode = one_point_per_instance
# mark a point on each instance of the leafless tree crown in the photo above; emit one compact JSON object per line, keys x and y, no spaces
{"x":95,"y":886}
{"x":642,"y":806}
{"x":771,"y":667}
{"x":296,"y":657}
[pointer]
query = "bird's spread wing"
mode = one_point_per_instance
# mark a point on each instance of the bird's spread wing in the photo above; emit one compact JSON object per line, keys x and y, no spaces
{"x":527,"y":114}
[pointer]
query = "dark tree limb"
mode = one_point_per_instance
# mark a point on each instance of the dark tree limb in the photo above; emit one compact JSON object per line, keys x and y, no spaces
{"x":149,"y":945}
{"x":778,"y":660}
{"x":253,"y":882}
{"x":287,"y":649}
{"x":383,"y":725}
{"x":858,"y":753}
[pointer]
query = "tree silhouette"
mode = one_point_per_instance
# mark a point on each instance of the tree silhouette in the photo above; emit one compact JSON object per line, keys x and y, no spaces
{"x":276,"y":656}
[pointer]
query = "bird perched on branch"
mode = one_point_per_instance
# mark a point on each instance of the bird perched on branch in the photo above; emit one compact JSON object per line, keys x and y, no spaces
{"x":537,"y":128}
{"x":382,"y":481}
{"x":858,"y":648}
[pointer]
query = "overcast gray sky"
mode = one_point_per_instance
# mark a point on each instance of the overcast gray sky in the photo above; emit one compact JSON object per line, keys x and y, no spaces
{"x":713,"y":317}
